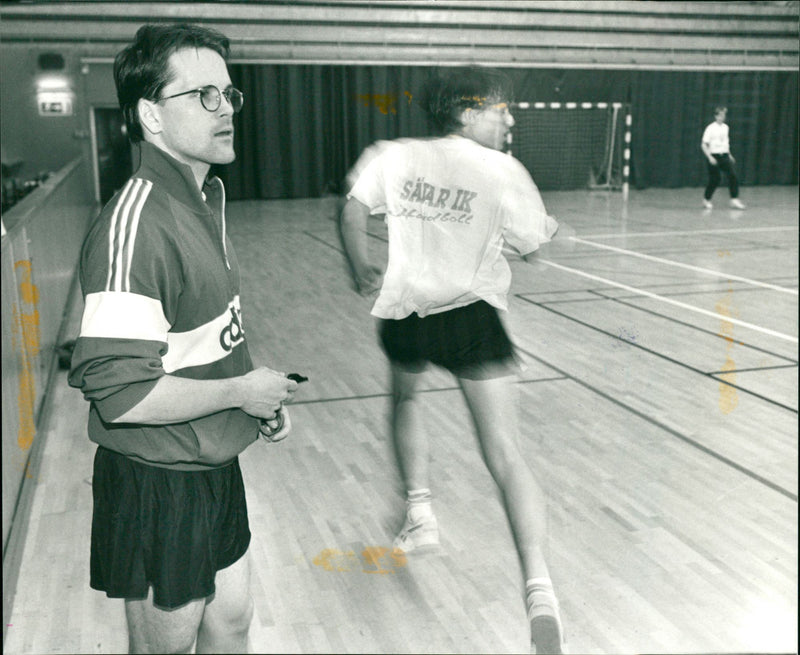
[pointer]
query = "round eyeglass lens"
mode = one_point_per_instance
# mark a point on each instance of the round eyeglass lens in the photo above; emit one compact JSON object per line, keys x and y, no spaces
{"x":236,"y":98}
{"x":210,"y":97}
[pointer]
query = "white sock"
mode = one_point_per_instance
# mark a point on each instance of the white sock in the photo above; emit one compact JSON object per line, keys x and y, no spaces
{"x":542,"y":589}
{"x":418,"y":503}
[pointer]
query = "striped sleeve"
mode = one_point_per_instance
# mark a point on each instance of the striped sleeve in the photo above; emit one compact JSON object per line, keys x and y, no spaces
{"x":122,"y":233}
{"x":129,"y":277}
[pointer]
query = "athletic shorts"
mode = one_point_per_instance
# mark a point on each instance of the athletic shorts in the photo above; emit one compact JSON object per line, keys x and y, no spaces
{"x":469,"y":341}
{"x":170,"y":529}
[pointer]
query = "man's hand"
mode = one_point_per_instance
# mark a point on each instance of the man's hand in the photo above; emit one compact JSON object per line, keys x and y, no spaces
{"x":263,"y":391}
{"x":369,"y":281}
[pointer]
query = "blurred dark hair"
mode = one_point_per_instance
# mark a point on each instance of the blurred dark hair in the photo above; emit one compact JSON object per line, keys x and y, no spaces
{"x":142,"y":69}
{"x":449,"y":93}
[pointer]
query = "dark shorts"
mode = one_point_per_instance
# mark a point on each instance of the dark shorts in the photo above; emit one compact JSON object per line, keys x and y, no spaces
{"x":469,"y":341}
{"x":170,"y":529}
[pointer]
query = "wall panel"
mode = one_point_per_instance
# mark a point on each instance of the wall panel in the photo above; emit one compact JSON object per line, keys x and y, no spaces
{"x":39,"y":262}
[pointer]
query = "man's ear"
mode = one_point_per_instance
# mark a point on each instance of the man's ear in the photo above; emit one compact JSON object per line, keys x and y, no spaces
{"x":468,"y":116}
{"x":149,"y":115}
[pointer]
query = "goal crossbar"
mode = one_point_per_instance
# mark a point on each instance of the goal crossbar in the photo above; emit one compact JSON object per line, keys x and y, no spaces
{"x":573,"y":144}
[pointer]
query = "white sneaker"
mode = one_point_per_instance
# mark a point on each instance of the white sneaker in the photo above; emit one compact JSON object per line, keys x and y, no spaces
{"x":707,"y":204}
{"x":419,"y":530}
{"x":736,"y":203}
{"x":547,"y":632}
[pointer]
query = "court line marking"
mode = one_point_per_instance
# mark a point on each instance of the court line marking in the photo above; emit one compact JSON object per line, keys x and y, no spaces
{"x":697,"y":269}
{"x":684,"y":288}
{"x":656,"y":353}
{"x":673,"y":431}
{"x":691,"y":308}
{"x":681,"y":233}
{"x":388,"y":394}
{"x":316,"y":237}
{"x":755,"y":369}
{"x":599,"y":293}
{"x":672,"y":319}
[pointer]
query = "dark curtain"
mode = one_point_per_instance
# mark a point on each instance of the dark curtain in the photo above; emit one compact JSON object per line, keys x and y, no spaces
{"x":671,"y":110}
{"x":303,"y":126}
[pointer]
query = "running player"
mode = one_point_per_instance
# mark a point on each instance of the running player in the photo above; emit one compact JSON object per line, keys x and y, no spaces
{"x":450,"y":204}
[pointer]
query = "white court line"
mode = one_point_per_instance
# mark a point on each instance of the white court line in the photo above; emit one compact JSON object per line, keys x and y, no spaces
{"x":677,"y":303}
{"x":670,"y":262}
{"x":684,"y":233}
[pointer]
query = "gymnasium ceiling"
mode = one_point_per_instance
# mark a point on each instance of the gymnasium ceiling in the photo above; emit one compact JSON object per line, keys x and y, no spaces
{"x":524,"y":33}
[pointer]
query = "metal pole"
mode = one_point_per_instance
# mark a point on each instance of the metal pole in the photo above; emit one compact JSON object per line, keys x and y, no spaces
{"x":626,"y":155}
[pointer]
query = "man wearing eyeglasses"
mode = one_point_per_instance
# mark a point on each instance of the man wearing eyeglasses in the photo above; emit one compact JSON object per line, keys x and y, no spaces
{"x":163,"y":360}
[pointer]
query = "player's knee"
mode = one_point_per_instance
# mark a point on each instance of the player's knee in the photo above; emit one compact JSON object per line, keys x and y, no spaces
{"x":182,"y":643}
{"x":175,"y":639}
{"x":236,"y":617}
{"x":245,"y":616}
{"x":153,"y":629}
{"x":503,"y":458}
{"x":403,"y":394}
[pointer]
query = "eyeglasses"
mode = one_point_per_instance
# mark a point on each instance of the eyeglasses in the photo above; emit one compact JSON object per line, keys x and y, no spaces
{"x":211,"y":97}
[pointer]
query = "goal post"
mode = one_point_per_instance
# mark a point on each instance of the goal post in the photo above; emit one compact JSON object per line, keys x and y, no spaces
{"x":573,"y":145}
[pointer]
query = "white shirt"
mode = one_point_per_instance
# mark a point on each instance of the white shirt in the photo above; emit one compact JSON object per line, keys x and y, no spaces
{"x":450,"y":204}
{"x":716,"y":136}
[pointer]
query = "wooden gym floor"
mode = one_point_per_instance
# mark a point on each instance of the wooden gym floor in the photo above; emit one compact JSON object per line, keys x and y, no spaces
{"x":659,"y":407}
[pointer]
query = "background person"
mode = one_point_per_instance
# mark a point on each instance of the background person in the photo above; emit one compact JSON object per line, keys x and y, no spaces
{"x":717,"y":149}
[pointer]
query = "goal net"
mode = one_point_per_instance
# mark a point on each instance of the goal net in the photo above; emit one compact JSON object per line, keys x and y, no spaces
{"x":573,"y":145}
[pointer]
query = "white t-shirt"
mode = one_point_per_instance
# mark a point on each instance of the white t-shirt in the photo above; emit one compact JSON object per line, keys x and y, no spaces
{"x":716,"y":136}
{"x":450,"y":203}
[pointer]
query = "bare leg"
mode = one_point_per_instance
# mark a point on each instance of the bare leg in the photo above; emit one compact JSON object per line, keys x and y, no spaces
{"x":219,"y":623}
{"x":228,"y":613}
{"x":494,"y":407}
{"x":410,"y":441}
{"x":152,"y":629}
{"x":420,"y":528}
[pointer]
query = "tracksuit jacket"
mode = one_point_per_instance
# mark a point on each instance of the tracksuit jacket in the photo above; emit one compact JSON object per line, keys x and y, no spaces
{"x":161,"y":288}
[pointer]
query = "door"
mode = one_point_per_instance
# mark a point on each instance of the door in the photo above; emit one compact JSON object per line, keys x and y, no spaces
{"x":112,"y":151}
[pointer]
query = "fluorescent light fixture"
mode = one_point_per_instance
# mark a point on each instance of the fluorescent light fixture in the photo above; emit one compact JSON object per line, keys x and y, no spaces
{"x":52,"y":83}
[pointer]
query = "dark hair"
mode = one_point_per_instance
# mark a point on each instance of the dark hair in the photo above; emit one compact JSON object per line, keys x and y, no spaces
{"x":142,"y":69}
{"x":720,"y":108}
{"x":446,"y":95}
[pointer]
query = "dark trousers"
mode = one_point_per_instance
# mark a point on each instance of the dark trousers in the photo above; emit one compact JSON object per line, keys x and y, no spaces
{"x":724,"y":164}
